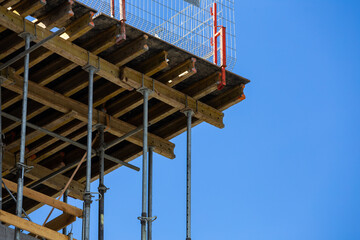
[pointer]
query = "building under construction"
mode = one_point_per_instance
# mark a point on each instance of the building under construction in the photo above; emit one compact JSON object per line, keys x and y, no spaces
{"x":88,"y":86}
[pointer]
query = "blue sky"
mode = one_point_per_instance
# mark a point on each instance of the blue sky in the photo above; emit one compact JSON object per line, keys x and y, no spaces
{"x":286,"y":166}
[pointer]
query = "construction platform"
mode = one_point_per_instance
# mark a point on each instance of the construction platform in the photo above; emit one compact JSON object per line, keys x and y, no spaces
{"x":58,"y":94}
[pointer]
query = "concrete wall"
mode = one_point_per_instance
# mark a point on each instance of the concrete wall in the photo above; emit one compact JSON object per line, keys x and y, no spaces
{"x":7,"y":233}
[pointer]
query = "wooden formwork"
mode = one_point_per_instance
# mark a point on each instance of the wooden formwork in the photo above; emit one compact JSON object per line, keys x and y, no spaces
{"x":58,"y":90}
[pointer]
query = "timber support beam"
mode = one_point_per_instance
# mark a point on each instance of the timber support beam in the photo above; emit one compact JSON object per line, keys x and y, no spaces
{"x":64,"y":104}
{"x":129,"y":78}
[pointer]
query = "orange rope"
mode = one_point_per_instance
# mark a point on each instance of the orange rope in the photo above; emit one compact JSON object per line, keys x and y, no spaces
{"x":71,"y":178}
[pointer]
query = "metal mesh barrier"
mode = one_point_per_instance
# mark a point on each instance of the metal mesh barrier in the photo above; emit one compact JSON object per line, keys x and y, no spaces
{"x":185,"y":23}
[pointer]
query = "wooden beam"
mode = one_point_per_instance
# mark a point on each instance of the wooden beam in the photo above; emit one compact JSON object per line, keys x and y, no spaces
{"x":174,"y":97}
{"x":42,"y":198}
{"x":57,"y":68}
{"x":60,"y":222}
{"x":178,"y":73}
{"x":137,"y":48}
{"x":134,"y":99}
{"x":129,"y":52}
{"x":35,"y":135}
{"x":154,"y":64}
{"x":76,"y":190}
{"x":64,"y":104}
{"x":9,"y":3}
{"x":221,"y":102}
{"x":101,"y":41}
{"x":35,"y":57}
{"x":31,"y":227}
{"x":58,"y":16}
{"x":33,"y":153}
{"x":25,"y":8}
{"x":30,"y":115}
{"x":79,"y":27}
{"x":2,"y":29}
{"x":160,"y":110}
{"x":73,"y":31}
{"x":129,"y":77}
{"x":10,"y":44}
{"x":207,"y":84}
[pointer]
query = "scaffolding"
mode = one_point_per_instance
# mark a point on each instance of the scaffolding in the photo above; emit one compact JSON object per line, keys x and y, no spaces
{"x":82,"y":94}
{"x":187,"y":24}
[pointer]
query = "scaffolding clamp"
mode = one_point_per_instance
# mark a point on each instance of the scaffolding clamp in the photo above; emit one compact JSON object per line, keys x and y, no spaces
{"x":102,"y":188}
{"x":147,"y":219}
{"x":88,"y":66}
{"x":88,"y":196}
{"x":143,"y":88}
{"x":20,"y":166}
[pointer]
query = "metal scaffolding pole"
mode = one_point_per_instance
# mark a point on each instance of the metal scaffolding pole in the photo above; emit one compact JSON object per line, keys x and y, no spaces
{"x":21,"y":163}
{"x":65,"y":139}
{"x":65,"y":200}
{"x":87,"y":194}
{"x":150,"y":192}
{"x":188,"y":114}
{"x":33,"y":48}
{"x":144,"y":218}
{"x":122,"y":138}
{"x":102,"y":188}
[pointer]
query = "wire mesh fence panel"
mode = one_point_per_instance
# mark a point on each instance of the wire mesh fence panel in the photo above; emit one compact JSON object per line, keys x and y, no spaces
{"x":187,"y":24}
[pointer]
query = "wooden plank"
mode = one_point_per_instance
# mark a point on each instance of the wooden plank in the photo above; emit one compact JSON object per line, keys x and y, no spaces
{"x":60,"y":222}
{"x":64,"y":104}
{"x":74,"y":30}
{"x":101,"y":41}
{"x":129,"y":52}
{"x":197,"y":90}
{"x":221,"y":102}
{"x":42,"y":198}
{"x":25,"y":8}
{"x":57,"y":68}
{"x":79,"y":27}
{"x":9,"y":3}
{"x":154,"y":64}
{"x":76,"y":190}
{"x":35,"y":135}
{"x":178,"y":73}
{"x":31,"y":227}
{"x":130,"y":78}
{"x":174,"y":97}
{"x":134,"y":99}
{"x":28,"y":116}
{"x":10,"y":44}
{"x":137,"y":47}
{"x":35,"y":57}
{"x":58,"y":16}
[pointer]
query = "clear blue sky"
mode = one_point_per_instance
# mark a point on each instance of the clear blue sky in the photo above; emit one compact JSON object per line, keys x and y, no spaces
{"x":287,"y":164}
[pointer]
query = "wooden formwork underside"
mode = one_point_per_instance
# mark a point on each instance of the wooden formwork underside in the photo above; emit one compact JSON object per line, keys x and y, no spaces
{"x":58,"y":89}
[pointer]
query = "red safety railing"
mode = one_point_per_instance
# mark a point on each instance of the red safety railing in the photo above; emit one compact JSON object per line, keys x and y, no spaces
{"x":214,"y":42}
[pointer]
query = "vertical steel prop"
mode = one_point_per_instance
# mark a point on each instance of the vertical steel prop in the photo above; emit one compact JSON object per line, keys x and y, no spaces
{"x":21,"y":163}
{"x":102,"y":189}
{"x":144,"y":217}
{"x":87,"y":195}
{"x":150,"y":192}
{"x":65,"y":200}
{"x":188,"y":114}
